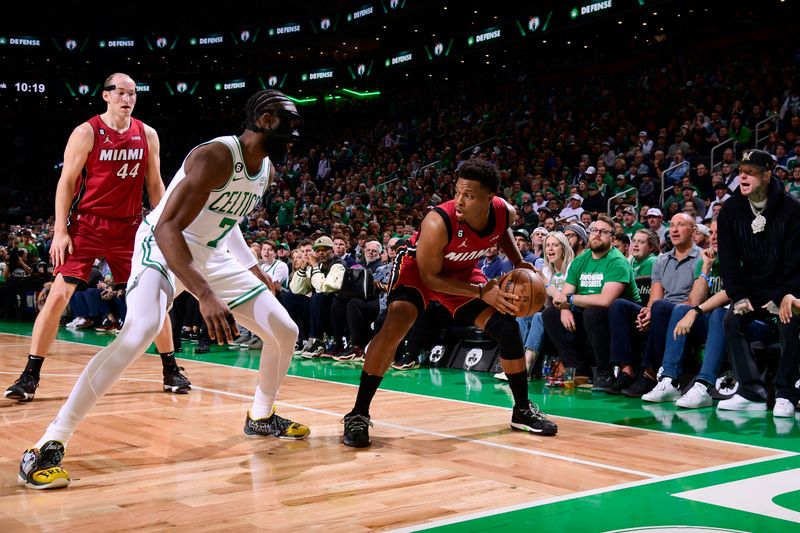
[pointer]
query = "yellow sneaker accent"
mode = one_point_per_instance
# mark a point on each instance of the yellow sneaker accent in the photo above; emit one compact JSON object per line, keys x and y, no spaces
{"x":275,"y":426}
{"x":41,"y":468}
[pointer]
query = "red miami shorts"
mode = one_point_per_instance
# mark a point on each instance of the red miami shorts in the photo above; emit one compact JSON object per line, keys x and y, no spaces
{"x":407,"y":275}
{"x":93,"y":237}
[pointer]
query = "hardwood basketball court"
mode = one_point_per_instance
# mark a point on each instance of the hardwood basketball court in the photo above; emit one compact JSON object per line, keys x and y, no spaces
{"x":145,"y":460}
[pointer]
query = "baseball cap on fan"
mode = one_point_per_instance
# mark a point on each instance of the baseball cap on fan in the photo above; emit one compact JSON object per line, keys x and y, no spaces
{"x":522,"y":233}
{"x":322,"y":242}
{"x":757,"y":158}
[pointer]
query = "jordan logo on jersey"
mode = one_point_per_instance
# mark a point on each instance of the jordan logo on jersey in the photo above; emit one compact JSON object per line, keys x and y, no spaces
{"x":107,"y":140}
{"x":463,"y":244}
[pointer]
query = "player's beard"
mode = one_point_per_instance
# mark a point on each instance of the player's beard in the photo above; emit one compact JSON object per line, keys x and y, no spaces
{"x":276,"y":149}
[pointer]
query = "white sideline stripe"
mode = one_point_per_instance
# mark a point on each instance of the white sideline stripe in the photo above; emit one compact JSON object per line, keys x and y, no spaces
{"x":538,"y":503}
{"x":607,"y":424}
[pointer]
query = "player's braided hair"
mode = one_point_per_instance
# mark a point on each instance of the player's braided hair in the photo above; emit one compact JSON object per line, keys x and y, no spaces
{"x":266,"y":101}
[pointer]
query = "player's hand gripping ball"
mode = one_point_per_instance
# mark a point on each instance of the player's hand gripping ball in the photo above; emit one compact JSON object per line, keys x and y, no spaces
{"x":526,"y":284}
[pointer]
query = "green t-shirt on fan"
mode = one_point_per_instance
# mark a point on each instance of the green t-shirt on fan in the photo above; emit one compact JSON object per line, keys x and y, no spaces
{"x":643,"y":268}
{"x":794,"y":189}
{"x":629,"y":231}
{"x":589,"y":275}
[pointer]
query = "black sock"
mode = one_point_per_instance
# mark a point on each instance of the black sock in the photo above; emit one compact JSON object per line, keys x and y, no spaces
{"x":366,"y":391}
{"x":704,"y":382}
{"x":34,"y":365}
{"x":168,"y":361}
{"x":519,"y":388}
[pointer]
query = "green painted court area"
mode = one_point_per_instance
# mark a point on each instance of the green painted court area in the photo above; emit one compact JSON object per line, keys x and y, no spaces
{"x":657,"y":504}
{"x":762,"y":495}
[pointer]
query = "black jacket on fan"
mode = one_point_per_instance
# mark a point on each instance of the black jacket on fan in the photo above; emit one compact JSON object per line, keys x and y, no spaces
{"x":760,"y":266}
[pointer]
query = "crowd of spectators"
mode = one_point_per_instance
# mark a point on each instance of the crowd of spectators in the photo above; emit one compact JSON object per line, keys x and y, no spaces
{"x":633,"y":150}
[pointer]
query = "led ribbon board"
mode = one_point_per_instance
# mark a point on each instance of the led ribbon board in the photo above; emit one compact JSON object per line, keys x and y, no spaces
{"x":400,"y":58}
{"x":321,"y":74}
{"x":286,"y":29}
{"x":117,"y":43}
{"x":22,"y":40}
{"x":489,"y":34}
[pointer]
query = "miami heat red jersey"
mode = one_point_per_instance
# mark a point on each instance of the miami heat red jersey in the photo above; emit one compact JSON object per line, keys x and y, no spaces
{"x":114,"y":174}
{"x":466,"y":245}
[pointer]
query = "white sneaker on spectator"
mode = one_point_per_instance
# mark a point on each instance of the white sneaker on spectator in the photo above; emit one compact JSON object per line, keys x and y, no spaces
{"x":664,"y":391}
{"x":253,"y":344}
{"x":79,"y":321}
{"x":695,"y":397}
{"x":740,"y":403}
{"x":306,"y":345}
{"x":315,"y":350}
{"x":501,"y":376}
{"x":87,"y":323}
{"x":783,"y":408}
{"x":242,"y":339}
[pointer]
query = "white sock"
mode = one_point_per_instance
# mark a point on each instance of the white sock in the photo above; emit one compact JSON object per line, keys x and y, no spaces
{"x":262,"y":403}
{"x":54,"y":433}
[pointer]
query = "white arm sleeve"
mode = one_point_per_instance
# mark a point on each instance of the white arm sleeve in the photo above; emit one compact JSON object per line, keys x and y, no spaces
{"x":239,"y":249}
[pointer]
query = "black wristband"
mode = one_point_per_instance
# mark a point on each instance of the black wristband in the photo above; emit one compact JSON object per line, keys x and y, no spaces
{"x":698,"y":309}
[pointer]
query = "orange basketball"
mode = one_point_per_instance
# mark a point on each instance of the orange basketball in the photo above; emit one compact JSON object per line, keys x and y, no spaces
{"x":526,"y":284}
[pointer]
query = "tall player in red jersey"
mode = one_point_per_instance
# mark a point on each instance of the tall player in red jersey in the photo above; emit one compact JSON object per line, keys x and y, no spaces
{"x":107,"y":161}
{"x":440,"y":264}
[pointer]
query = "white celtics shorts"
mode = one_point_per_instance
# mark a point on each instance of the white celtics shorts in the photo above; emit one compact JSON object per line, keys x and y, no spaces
{"x":229,"y":280}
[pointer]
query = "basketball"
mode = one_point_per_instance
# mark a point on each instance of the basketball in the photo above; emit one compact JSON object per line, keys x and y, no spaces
{"x":526,"y":284}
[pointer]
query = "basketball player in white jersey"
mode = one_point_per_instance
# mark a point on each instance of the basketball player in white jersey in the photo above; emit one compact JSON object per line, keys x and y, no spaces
{"x":192,"y":241}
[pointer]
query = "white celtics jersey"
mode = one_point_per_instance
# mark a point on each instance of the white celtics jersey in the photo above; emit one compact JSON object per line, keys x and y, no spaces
{"x":226,"y":205}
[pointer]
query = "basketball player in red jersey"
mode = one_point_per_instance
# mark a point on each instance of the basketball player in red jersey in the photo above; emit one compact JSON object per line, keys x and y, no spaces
{"x":98,"y":210}
{"x":440,"y":264}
